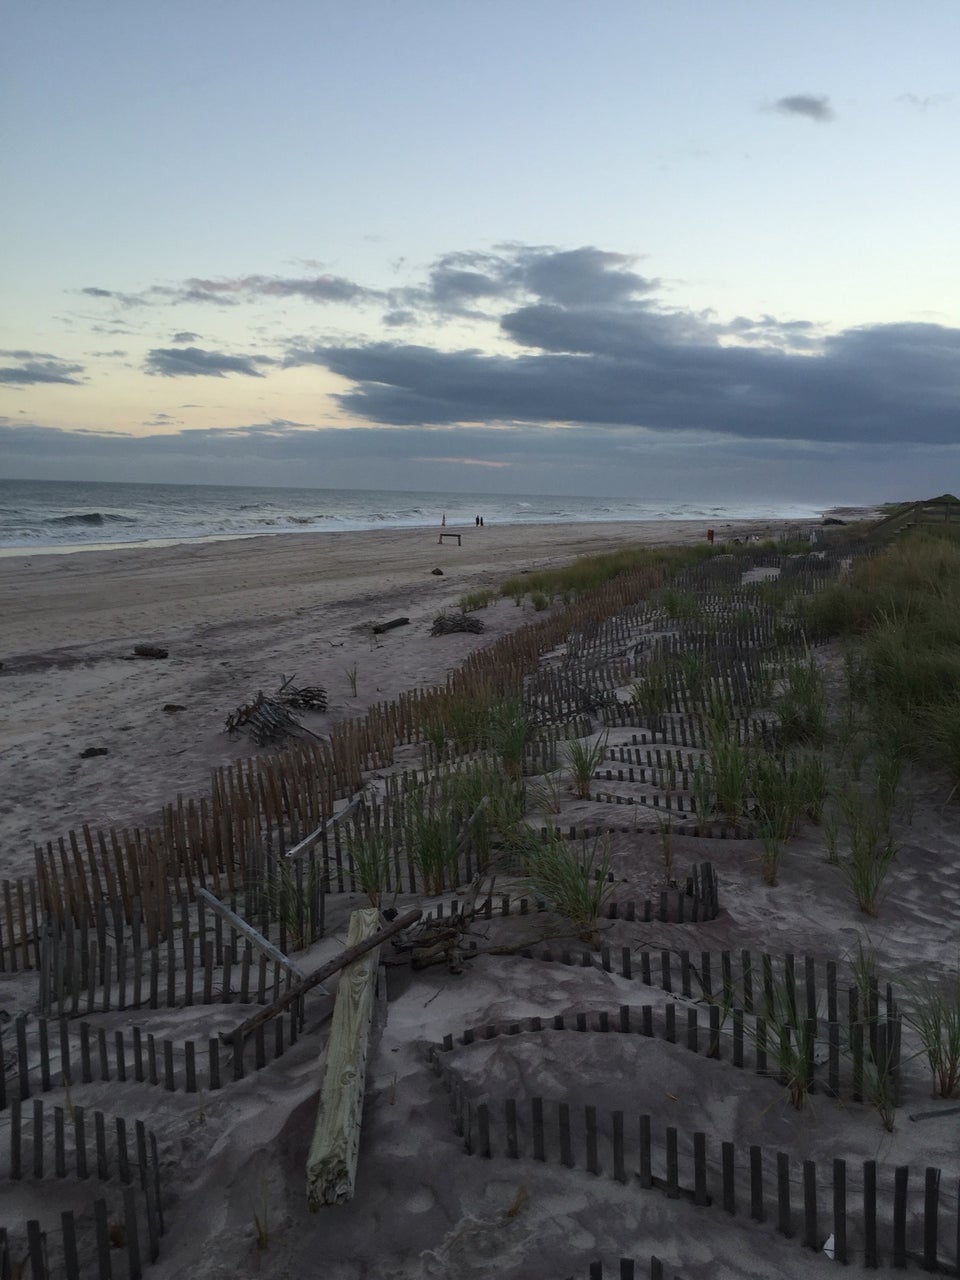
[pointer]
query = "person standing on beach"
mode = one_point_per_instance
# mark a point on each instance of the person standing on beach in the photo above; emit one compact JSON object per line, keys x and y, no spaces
{"x":443,"y":521}
{"x":476,"y":521}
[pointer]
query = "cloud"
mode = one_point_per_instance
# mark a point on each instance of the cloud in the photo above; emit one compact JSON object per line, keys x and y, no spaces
{"x":466,"y":282}
{"x":461,"y":283}
{"x":124,"y":299}
{"x":653,"y":467}
{"x":584,"y":340}
{"x":34,"y":367}
{"x":185,"y":336}
{"x":583,"y":277}
{"x":806,"y":104}
{"x":231,"y":291}
{"x":321,"y":288}
{"x":466,"y":462}
{"x":925,"y":103}
{"x":192,"y":362}
{"x":666,"y":373}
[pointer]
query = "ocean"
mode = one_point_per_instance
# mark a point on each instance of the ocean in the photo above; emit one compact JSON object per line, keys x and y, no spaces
{"x":38,"y":515}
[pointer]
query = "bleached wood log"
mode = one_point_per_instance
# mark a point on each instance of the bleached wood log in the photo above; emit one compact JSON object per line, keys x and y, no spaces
{"x":332,"y":1160}
{"x":250,"y":933}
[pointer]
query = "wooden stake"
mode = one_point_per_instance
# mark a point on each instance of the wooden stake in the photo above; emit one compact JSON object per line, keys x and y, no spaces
{"x":332,"y":1160}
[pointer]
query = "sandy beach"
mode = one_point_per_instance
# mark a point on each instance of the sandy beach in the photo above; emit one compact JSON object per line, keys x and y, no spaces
{"x":236,"y":617}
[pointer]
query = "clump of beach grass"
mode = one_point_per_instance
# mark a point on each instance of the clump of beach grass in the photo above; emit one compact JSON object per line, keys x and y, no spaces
{"x":369,"y":850}
{"x":480,"y":598}
{"x":584,"y":758}
{"x":871,"y":849}
{"x":573,"y":876}
{"x":801,"y":704}
{"x":933,"y":1010}
{"x":431,"y":835}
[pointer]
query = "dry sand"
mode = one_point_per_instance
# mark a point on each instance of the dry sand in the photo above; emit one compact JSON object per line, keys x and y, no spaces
{"x":235,"y":616}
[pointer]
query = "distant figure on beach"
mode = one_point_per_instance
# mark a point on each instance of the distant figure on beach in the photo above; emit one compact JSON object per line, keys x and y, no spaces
{"x":476,"y":521}
{"x":710,"y":536}
{"x":443,"y":521}
{"x":481,"y":522}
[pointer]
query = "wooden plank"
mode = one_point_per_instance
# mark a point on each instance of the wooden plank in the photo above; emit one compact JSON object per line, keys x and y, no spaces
{"x":332,"y":1159}
{"x":257,"y":939}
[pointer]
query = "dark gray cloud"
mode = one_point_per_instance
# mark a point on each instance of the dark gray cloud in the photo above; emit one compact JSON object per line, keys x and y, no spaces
{"x":192,"y":362}
{"x":34,"y":367}
{"x":811,"y":105}
{"x":184,"y":337}
{"x":467,"y":282}
{"x":667,"y":373}
{"x":583,"y":277}
{"x":526,"y":458}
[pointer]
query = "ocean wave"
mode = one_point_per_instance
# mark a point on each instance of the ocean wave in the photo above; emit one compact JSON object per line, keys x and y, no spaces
{"x":92,"y":518}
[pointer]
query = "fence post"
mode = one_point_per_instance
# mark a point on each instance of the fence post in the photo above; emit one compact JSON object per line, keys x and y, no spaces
{"x":783,"y":1195}
{"x":840,"y":1210}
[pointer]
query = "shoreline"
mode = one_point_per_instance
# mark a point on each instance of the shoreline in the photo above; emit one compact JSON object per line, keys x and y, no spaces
{"x":237,"y":616}
{"x":147,"y":544}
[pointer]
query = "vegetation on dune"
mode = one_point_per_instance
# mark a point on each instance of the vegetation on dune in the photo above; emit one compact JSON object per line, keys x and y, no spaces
{"x":900,"y":612}
{"x":588,"y":573}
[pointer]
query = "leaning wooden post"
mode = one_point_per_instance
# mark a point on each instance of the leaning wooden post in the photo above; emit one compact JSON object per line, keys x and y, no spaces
{"x":332,"y":1160}
{"x":252,"y":935}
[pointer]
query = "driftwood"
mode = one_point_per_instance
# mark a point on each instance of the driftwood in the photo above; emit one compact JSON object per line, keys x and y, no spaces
{"x":269,"y":719}
{"x":332,"y":1159}
{"x":320,"y":975}
{"x":445,"y":624}
{"x":247,"y":931}
{"x":380,"y":627}
{"x":311,"y":697}
{"x":149,"y":651}
{"x":265,"y":719}
{"x":440,"y":941}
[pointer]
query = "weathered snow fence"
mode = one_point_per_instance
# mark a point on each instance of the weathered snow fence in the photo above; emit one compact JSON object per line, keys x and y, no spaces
{"x":332,"y":1159}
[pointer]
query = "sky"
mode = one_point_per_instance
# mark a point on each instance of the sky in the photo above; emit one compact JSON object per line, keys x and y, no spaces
{"x":703,"y":249}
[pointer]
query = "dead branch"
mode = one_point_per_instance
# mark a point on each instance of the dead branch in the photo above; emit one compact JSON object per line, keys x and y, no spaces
{"x":445,"y":624}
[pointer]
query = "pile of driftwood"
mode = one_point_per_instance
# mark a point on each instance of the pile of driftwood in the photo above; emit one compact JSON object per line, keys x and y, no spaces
{"x":269,"y":718}
{"x":445,"y":623}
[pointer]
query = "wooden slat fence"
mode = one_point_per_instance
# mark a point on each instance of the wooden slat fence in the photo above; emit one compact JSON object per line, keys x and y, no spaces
{"x":119,"y":1234}
{"x":46,"y":1054}
{"x":875,"y":1214}
{"x":740,"y":1040}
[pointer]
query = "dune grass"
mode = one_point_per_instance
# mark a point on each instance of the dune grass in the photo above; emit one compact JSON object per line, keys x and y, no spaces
{"x":589,"y":573}
{"x":901,"y":611}
{"x":573,"y":877}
